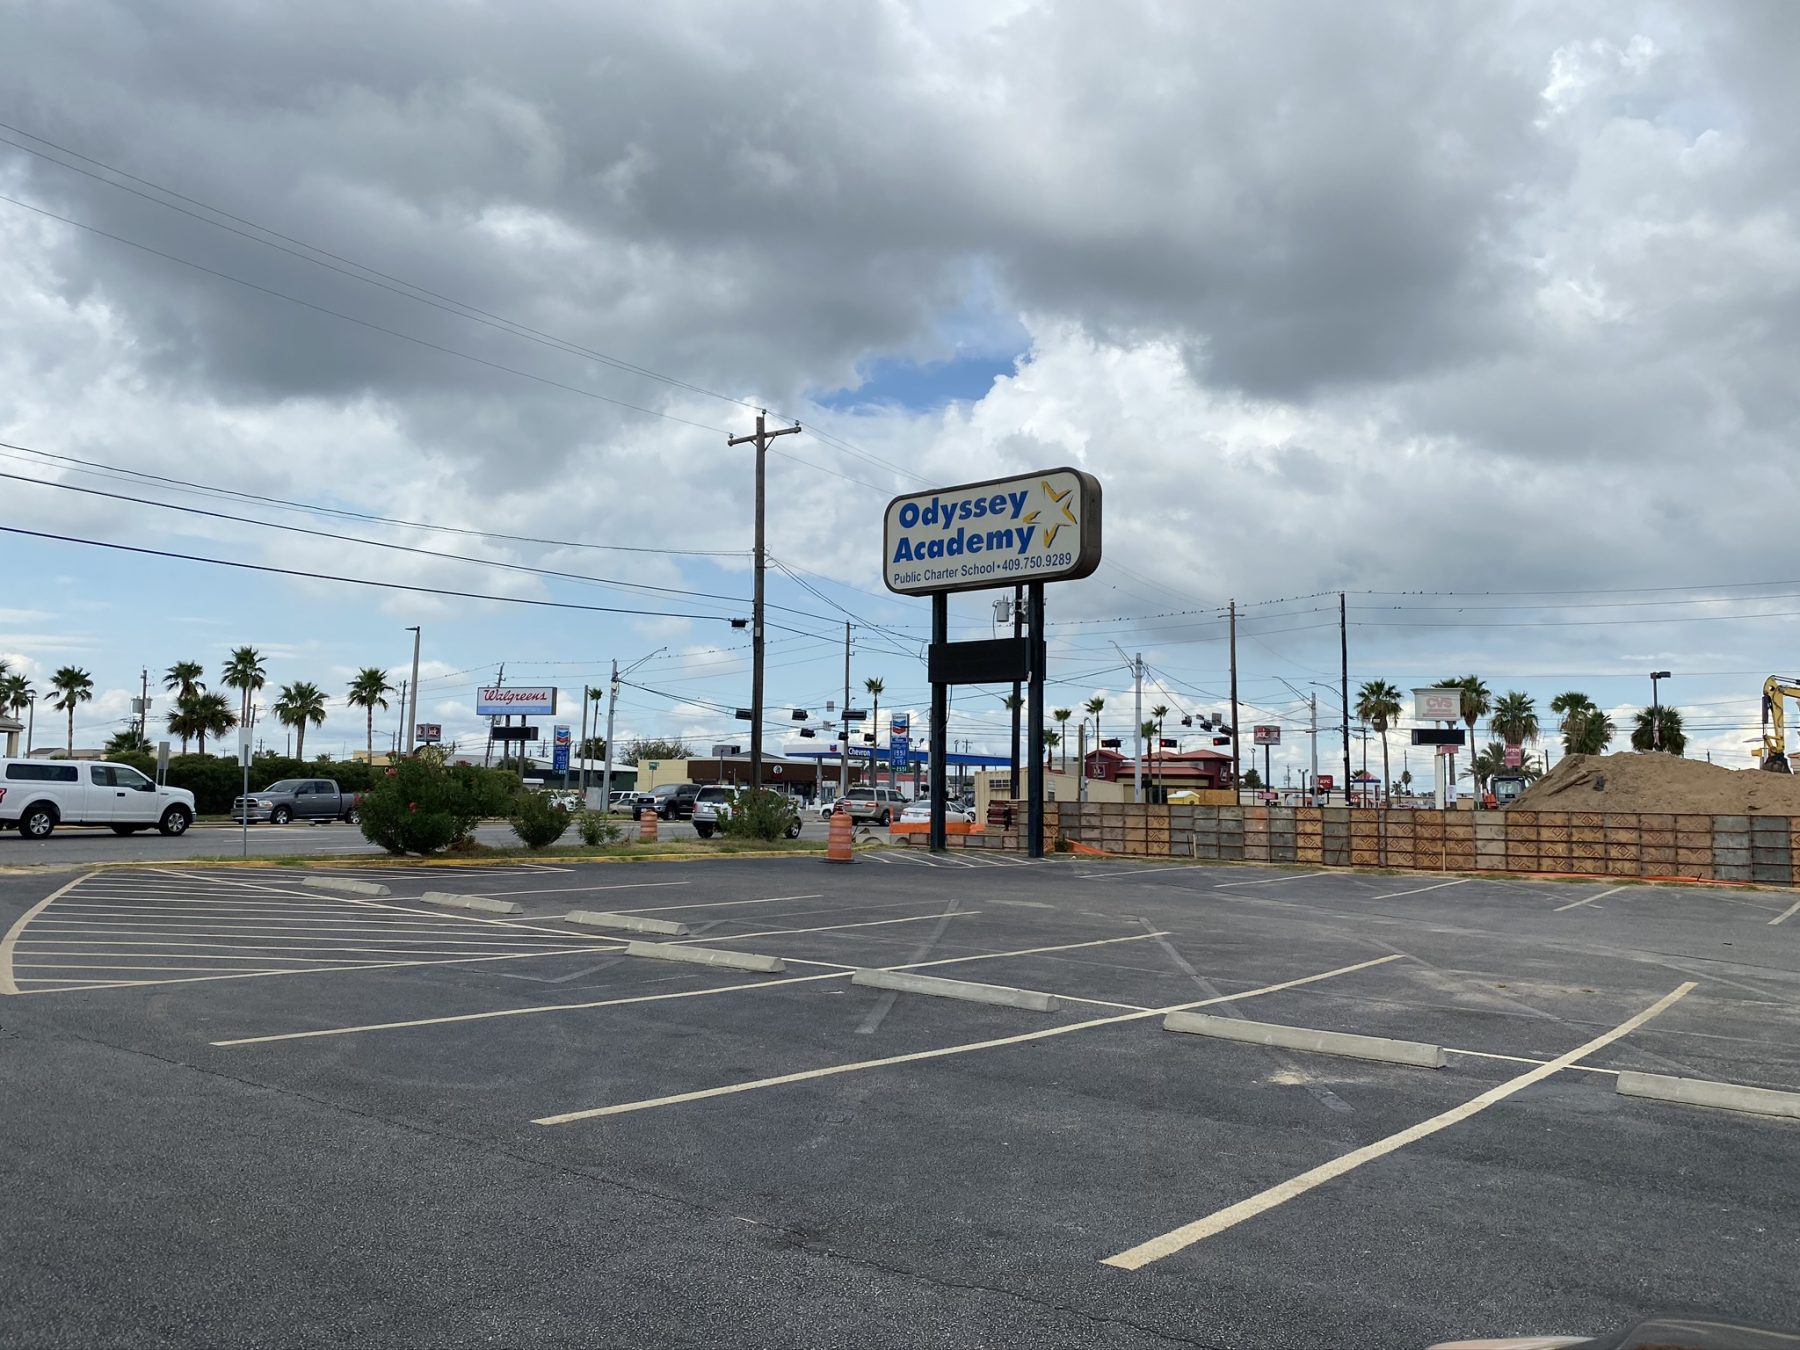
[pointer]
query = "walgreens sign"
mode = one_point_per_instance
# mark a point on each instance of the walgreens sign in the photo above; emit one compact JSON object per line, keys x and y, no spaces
{"x":500,"y":700}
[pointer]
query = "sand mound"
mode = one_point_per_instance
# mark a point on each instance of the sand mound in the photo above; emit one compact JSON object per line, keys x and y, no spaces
{"x":1652,"y":782}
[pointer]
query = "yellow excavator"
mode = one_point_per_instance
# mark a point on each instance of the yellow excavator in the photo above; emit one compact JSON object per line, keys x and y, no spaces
{"x":1774,"y":721}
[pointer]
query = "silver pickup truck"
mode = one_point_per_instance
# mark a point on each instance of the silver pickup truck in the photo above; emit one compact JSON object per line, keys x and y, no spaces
{"x":298,"y":799}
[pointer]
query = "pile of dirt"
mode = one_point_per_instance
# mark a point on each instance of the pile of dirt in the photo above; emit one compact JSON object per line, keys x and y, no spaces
{"x":1653,"y":782}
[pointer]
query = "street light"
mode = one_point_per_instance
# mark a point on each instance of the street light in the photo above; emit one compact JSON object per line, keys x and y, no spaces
{"x":1655,"y":710}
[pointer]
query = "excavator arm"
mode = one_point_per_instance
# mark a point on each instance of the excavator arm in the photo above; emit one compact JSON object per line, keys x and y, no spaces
{"x":1774,"y":721}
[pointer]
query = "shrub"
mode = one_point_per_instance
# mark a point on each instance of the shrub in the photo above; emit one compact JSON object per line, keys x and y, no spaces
{"x":759,"y":814}
{"x":538,"y":821}
{"x":423,"y":805}
{"x":597,"y":829}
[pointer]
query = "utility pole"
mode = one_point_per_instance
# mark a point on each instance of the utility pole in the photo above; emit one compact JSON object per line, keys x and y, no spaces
{"x":1315,"y":745}
{"x":606,"y":769}
{"x":1137,"y":769}
{"x":399,"y":732}
{"x":844,"y":758}
{"x":144,"y":708}
{"x":581,"y":747}
{"x":499,"y":679}
{"x":761,"y":441}
{"x":412,"y":710}
{"x":1236,"y":776}
{"x":1344,"y":689}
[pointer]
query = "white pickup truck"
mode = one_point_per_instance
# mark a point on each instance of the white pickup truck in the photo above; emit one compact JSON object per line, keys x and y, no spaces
{"x":37,"y":795}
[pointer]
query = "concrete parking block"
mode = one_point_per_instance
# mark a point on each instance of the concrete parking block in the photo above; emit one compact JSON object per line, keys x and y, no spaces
{"x":630,"y":923}
{"x":477,"y":902}
{"x":1382,"y":1048}
{"x":1001,"y":995}
{"x":1703,"y":1092}
{"x":706,"y":956}
{"x":346,"y":885}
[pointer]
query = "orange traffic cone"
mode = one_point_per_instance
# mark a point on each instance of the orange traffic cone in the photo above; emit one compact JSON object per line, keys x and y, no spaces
{"x":647,"y":826}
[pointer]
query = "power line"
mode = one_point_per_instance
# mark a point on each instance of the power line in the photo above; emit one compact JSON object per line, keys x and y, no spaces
{"x":364,"y":581}
{"x":406,"y":548}
{"x":205,"y":489}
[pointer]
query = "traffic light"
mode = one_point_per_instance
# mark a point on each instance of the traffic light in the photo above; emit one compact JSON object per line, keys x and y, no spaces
{"x":808,"y":732}
{"x":1221,"y":740}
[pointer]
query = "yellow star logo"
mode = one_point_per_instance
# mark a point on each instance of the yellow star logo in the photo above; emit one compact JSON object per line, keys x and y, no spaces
{"x":1061,"y":499}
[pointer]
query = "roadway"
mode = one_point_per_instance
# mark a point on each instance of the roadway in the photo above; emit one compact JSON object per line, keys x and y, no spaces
{"x":75,"y":847}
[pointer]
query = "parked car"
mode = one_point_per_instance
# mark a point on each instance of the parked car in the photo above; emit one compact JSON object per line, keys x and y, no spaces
{"x":37,"y":795}
{"x":288,"y":799}
{"x":567,"y":798}
{"x":877,"y":804}
{"x":712,"y":808}
{"x":674,"y":801}
{"x":622,"y":803}
{"x":919,"y":812}
{"x":827,"y":806}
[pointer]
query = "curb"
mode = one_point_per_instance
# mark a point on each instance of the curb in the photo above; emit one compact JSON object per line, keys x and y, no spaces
{"x":480,"y":902}
{"x":1704,"y":1092}
{"x":630,"y":923}
{"x":1381,"y":1048}
{"x":346,"y":885}
{"x":1000,"y":995}
{"x":707,"y":956}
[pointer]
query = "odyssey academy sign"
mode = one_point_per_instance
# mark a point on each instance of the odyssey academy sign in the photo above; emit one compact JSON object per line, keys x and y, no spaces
{"x":1041,"y":526}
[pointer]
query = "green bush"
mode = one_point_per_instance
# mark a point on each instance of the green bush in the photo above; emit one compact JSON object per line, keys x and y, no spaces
{"x":760,"y":814}
{"x":537,"y":820}
{"x":597,"y":829}
{"x":424,"y":805}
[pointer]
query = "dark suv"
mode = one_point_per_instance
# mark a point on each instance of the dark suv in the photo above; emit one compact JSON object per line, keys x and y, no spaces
{"x":675,"y":801}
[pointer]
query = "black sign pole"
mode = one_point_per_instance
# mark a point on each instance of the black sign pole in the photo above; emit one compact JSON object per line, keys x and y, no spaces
{"x":1034,"y":740}
{"x":940,"y":728}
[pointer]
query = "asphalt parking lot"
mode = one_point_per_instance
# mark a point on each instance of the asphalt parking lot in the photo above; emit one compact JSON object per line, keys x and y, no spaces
{"x":241,"y":1110}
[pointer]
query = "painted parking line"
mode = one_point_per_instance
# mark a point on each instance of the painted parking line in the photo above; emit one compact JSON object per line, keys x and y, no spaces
{"x":572,"y":890}
{"x":1577,"y":904}
{"x":539,"y":1009}
{"x":942,"y":1052}
{"x":719,"y":904}
{"x":1134,"y":872}
{"x":1420,"y":890}
{"x":314,"y":969}
{"x":1178,"y":1239}
{"x":235,"y":927}
{"x":1786,"y":914}
{"x":1268,"y":881}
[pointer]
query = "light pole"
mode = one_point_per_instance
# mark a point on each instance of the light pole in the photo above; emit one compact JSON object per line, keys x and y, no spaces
{"x":1656,"y":710}
{"x":412,"y":712}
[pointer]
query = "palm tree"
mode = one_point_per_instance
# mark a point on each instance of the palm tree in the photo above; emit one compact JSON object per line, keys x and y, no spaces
{"x":1160,"y":712}
{"x":1515,"y":719}
{"x":1644,"y":729}
{"x":15,"y":693}
{"x":209,"y":715}
{"x":1051,"y":741}
{"x":369,"y":691}
{"x":1474,"y":699}
{"x":183,"y":680}
{"x":1378,"y":705}
{"x":1585,"y":729}
{"x":73,"y":687}
{"x":301,"y":703}
{"x":244,"y":672}
{"x":875,"y":687}
{"x":1095,"y":706}
{"x":1061,"y":717}
{"x":127,"y":742}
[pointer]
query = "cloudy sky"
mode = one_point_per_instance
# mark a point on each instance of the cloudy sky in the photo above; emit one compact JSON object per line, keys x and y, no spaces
{"x":1484,"y":314}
